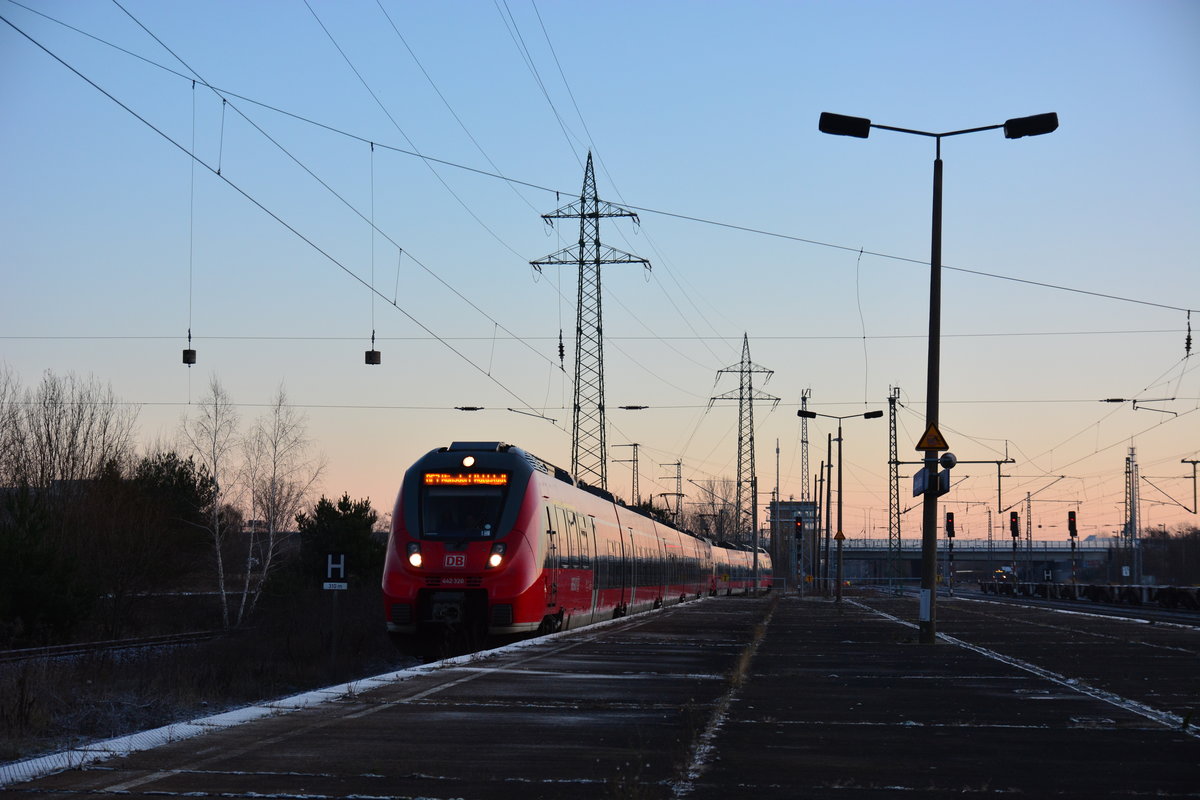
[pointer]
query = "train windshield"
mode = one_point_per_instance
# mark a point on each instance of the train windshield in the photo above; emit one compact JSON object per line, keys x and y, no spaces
{"x":462,"y":505}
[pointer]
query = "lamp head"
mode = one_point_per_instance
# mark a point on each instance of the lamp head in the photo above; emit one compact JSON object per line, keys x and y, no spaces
{"x":841,"y":125}
{"x":1031,"y":126}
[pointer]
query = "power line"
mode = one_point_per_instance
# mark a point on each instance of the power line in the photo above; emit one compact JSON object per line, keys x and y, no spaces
{"x":645,"y":209}
{"x":450,"y":108}
{"x":408,"y":139}
{"x":510,"y":24}
{"x":370,"y":221}
{"x":629,"y":337}
{"x":273,"y":215}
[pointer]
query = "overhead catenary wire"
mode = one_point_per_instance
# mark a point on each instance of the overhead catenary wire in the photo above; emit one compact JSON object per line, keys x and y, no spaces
{"x":857,"y":250}
{"x":519,"y":40}
{"x":510,"y":24}
{"x":326,"y":185}
{"x":329,"y":257}
{"x":449,"y":107}
{"x":645,"y":209}
{"x":661,"y":258}
{"x":372,"y":235}
{"x":396,"y":124}
{"x":619,"y":337}
{"x":191,"y":223}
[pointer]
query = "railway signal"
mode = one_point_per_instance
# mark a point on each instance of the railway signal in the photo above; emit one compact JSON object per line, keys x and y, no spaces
{"x":1073,"y":531}
{"x":1014,"y":524}
{"x":950,"y":550}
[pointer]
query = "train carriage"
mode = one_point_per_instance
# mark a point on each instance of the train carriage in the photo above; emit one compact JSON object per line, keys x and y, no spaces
{"x":488,"y":540}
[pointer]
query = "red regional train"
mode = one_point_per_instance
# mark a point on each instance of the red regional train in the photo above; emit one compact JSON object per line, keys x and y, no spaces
{"x":490,"y":541}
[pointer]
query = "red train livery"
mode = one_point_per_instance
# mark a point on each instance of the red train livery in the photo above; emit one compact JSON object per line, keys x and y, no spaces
{"x":491,"y":540}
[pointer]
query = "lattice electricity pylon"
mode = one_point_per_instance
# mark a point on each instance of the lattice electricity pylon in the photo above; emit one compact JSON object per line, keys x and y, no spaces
{"x":805,"y":489}
{"x":1129,"y":533}
{"x":894,"y":541}
{"x":589,"y":458}
{"x":746,"y":502}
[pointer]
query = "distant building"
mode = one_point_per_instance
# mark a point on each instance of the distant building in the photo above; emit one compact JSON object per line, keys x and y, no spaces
{"x":791,"y":523}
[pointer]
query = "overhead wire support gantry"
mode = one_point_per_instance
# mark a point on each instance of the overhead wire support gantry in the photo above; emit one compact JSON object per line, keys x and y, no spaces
{"x":589,"y":461}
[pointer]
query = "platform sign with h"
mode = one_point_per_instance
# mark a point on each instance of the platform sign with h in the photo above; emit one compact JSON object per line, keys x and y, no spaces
{"x":335,"y":572}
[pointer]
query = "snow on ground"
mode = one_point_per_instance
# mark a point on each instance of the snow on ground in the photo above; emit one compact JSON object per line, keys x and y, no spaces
{"x":92,"y":752}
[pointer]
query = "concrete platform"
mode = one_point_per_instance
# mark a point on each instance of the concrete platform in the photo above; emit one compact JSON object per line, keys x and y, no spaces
{"x":729,"y":698}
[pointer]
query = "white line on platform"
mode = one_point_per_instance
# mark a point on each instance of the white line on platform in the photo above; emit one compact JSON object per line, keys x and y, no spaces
{"x":1165,"y":718}
{"x":1135,"y":620}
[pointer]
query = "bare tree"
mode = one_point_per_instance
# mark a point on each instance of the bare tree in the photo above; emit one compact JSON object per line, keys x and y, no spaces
{"x":715,"y":513}
{"x":56,"y":441}
{"x":280,"y":472}
{"x":212,"y":436}
{"x":10,"y":395}
{"x":61,"y":433}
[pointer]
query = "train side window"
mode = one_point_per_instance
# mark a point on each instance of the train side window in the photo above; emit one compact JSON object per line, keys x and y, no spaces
{"x":585,"y":531}
{"x":576,"y":543}
{"x":580,"y":543}
{"x":573,"y":535}
{"x":566,"y":535}
{"x":605,"y":561}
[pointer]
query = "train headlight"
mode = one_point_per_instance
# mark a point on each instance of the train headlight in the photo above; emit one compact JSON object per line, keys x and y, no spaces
{"x":496,"y":558}
{"x":414,"y":554}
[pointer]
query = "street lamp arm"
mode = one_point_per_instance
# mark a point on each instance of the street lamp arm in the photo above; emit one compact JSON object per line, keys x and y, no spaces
{"x":804,"y":413}
{"x":860,"y":127}
{"x":936,"y":135}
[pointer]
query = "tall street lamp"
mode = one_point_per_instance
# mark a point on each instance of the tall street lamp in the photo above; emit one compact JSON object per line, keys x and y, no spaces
{"x":933,"y":441}
{"x":840,"y":537}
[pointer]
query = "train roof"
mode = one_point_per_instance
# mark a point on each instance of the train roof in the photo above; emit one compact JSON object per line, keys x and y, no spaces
{"x":548,"y":468}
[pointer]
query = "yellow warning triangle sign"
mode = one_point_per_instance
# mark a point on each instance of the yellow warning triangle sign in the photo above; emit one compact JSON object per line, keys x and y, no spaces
{"x":839,"y":536}
{"x":933,"y":440}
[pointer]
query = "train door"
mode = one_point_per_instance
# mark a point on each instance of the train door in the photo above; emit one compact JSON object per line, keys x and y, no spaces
{"x":622,"y":576}
{"x":629,"y":562}
{"x":554,"y":529}
{"x":662,"y":578}
{"x":571,"y":565}
{"x":591,"y":562}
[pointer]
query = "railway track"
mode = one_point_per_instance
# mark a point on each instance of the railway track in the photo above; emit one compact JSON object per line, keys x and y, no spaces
{"x":1154,"y":614}
{"x":113,"y":645}
{"x":1149,"y":613}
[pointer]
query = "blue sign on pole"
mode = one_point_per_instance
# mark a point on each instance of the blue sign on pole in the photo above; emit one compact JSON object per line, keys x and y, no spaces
{"x":921,"y":482}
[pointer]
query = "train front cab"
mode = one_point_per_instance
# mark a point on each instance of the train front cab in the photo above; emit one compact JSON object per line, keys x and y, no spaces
{"x":458,"y":557}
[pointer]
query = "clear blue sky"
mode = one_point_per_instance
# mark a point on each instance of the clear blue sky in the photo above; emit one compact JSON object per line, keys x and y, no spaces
{"x":705,"y":110}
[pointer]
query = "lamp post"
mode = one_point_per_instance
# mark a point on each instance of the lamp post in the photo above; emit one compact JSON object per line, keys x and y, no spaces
{"x":860,"y":128}
{"x":840,"y":537}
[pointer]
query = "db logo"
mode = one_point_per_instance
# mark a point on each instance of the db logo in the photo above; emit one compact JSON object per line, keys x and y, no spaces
{"x":456,"y":560}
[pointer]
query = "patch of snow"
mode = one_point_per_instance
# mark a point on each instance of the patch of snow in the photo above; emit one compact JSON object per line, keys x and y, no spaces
{"x":93,"y":752}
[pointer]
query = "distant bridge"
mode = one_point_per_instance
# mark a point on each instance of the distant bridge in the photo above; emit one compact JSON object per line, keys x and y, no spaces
{"x":1001,"y":546}
{"x":1041,"y":559}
